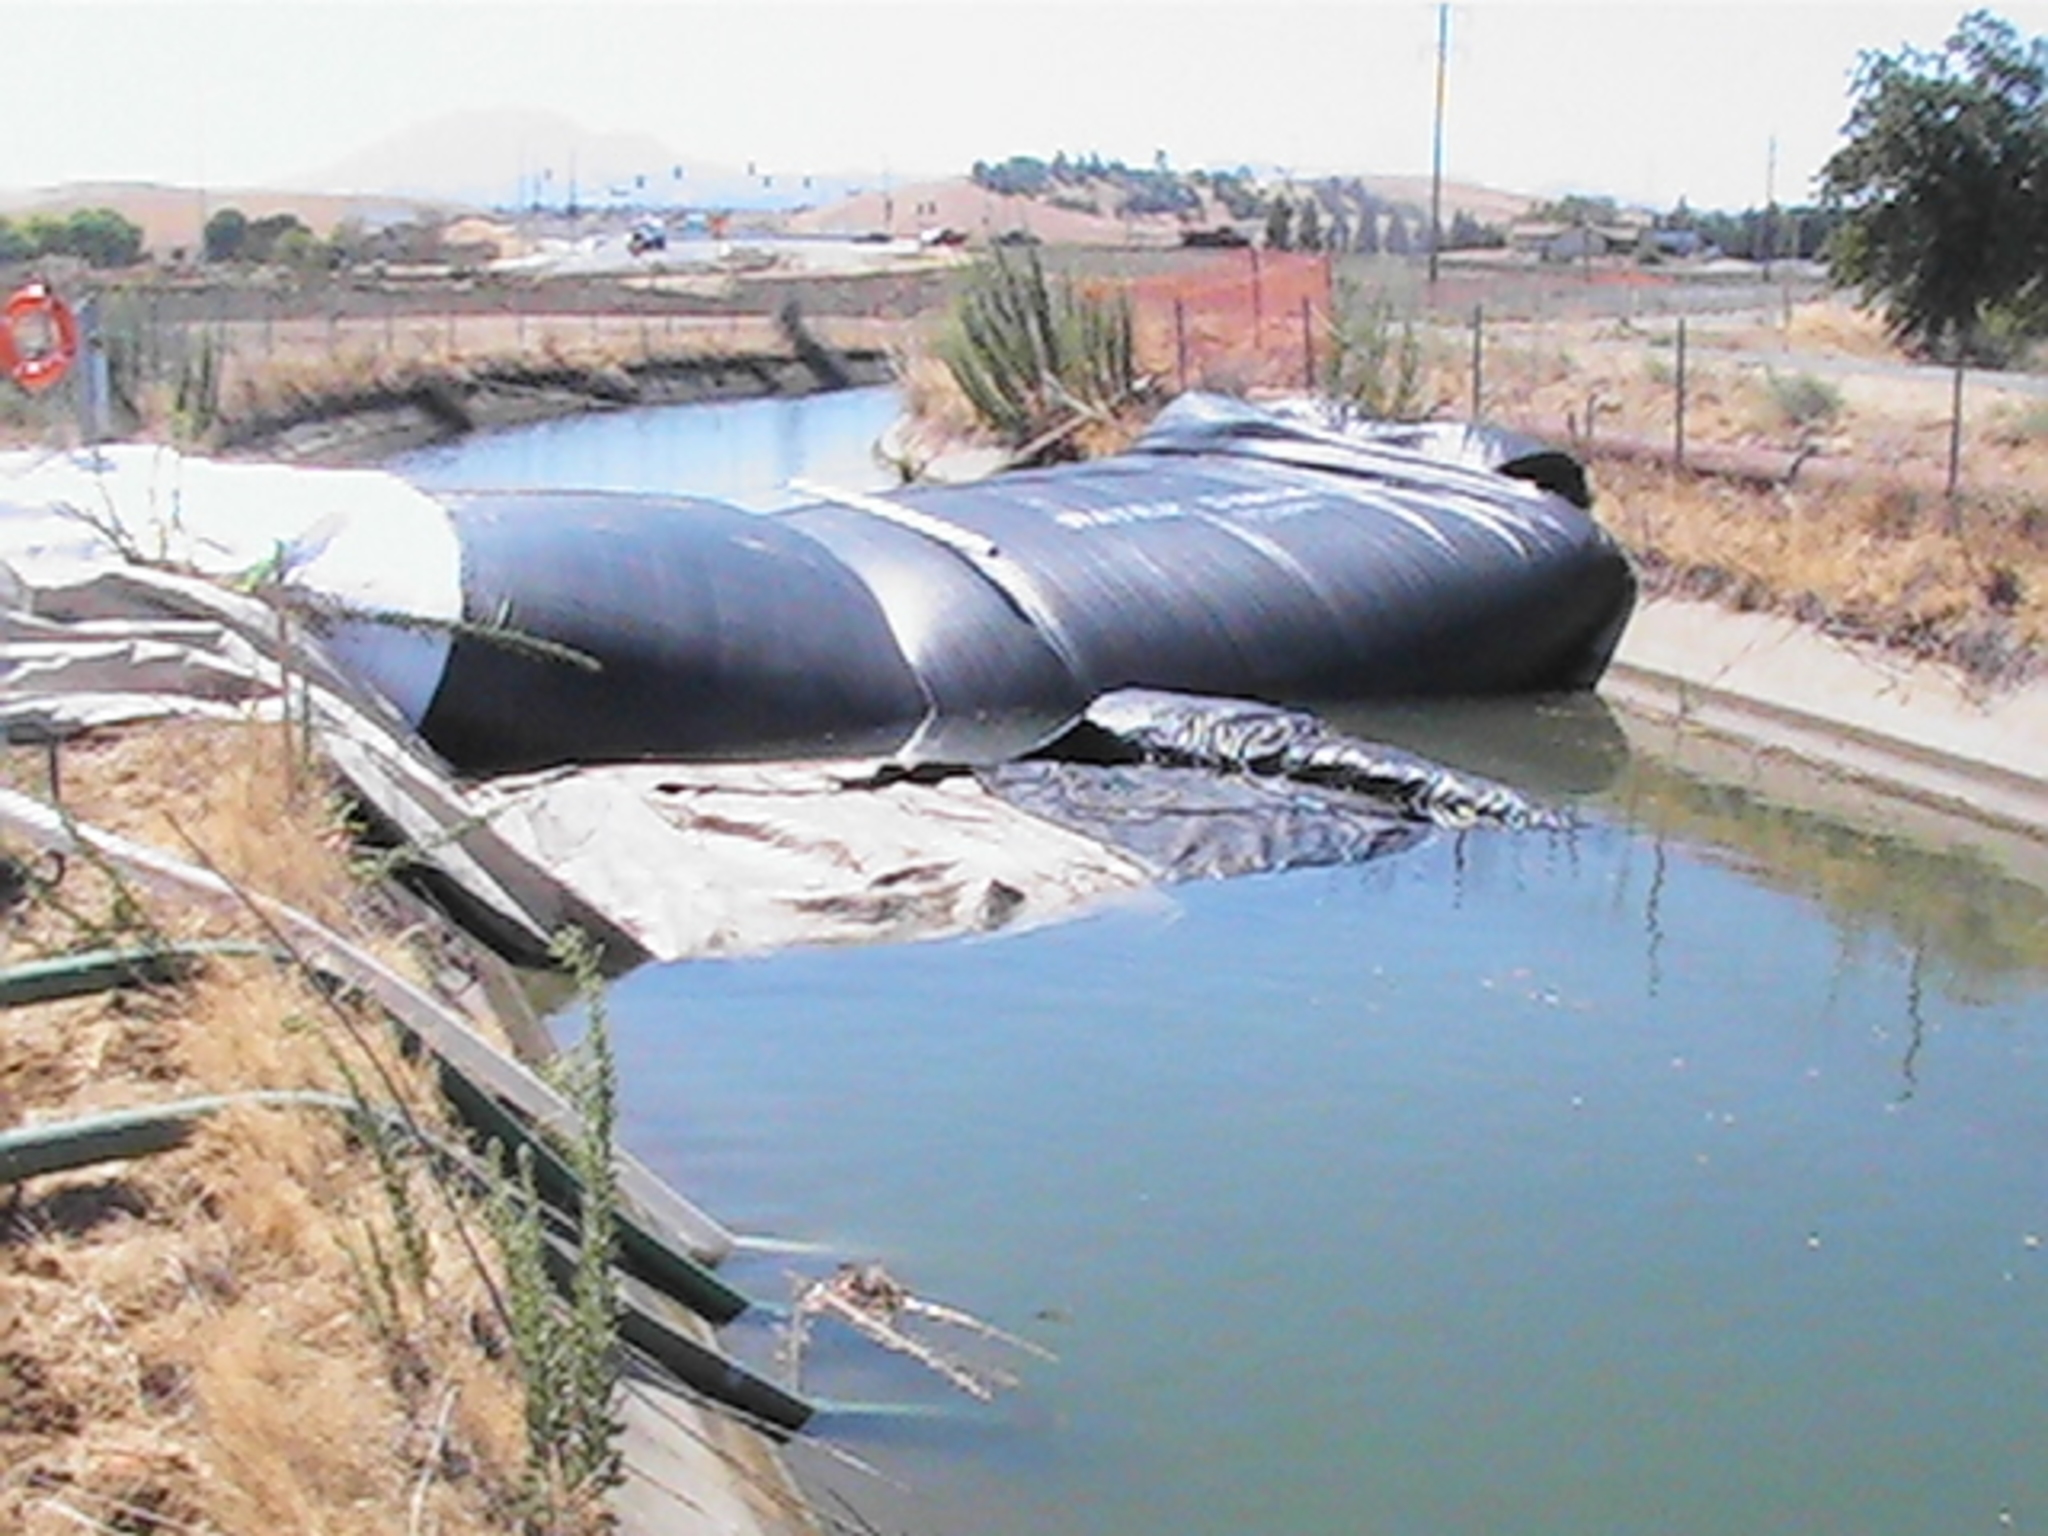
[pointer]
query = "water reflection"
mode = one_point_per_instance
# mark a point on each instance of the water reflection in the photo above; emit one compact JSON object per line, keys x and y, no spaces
{"x":740,"y":451}
{"x":1916,"y":1030}
{"x":1878,"y":866}
{"x":1976,"y":925}
{"x":1561,"y":746}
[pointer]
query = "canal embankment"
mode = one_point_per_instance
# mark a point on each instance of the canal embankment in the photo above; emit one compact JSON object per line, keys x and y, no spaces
{"x":1967,"y":760}
{"x":254,"y":1274}
{"x":341,"y":421}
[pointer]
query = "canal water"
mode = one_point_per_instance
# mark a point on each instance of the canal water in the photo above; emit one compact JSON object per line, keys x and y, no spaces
{"x":1685,"y":1171}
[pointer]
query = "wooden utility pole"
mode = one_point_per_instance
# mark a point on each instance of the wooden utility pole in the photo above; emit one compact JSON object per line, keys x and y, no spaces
{"x":1765,"y":232}
{"x":1436,"y":158}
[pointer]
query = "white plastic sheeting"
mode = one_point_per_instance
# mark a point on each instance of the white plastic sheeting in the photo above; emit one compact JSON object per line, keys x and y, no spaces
{"x":340,"y":538}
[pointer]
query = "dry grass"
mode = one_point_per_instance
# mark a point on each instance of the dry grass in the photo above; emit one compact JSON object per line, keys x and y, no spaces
{"x":1836,"y":326}
{"x":1864,"y":540}
{"x":288,"y":369}
{"x":197,"y":1341}
{"x":1877,"y":559}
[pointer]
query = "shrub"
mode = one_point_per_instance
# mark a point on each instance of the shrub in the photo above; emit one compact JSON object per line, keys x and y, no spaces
{"x":2022,"y":425}
{"x":1802,"y":400}
{"x":1031,"y":356}
{"x":1375,"y":364}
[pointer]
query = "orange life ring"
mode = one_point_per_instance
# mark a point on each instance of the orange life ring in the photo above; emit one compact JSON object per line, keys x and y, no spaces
{"x":47,"y":357}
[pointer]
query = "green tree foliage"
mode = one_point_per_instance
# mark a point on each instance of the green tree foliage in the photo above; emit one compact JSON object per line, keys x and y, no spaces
{"x":1234,"y":190}
{"x":1577,"y":208}
{"x":1156,"y":188}
{"x":100,"y":237}
{"x":1030,"y":354}
{"x":1308,"y":232}
{"x":1756,"y":234}
{"x":224,"y":235}
{"x":1469,"y":234}
{"x":280,"y":239}
{"x":269,"y":238}
{"x":1368,"y":241}
{"x":1018,"y":176}
{"x":15,"y":244}
{"x":1943,"y":184}
{"x":1280,"y":224}
{"x":1374,"y":364}
{"x":1398,"y":241}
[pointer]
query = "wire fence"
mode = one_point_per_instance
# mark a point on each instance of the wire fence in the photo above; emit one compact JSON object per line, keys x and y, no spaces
{"x":1764,"y":377}
{"x":1695,"y":370}
{"x":182,"y":355}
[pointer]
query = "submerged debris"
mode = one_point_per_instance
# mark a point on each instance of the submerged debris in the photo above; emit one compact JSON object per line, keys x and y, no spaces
{"x":873,"y":1302}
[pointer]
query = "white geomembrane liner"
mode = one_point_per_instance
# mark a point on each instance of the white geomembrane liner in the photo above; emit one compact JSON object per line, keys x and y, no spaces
{"x":362,"y":537}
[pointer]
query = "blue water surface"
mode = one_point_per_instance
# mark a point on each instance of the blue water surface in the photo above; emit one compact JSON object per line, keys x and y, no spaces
{"x":1686,"y":1172}
{"x":1461,"y":1192}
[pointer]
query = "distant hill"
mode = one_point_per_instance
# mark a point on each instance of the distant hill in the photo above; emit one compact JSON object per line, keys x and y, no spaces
{"x":172,"y":218}
{"x":1083,"y":214}
{"x":1489,"y":205}
{"x":507,"y":156}
{"x":957,"y":203}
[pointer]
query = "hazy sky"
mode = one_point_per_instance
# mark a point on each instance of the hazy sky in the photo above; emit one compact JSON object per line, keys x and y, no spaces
{"x":1647,"y":100}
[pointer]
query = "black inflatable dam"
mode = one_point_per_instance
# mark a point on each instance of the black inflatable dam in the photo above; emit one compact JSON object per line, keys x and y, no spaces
{"x":1231,"y":551}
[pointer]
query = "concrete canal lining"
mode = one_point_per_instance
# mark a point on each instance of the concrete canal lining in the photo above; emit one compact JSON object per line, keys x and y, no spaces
{"x":1963,"y":764}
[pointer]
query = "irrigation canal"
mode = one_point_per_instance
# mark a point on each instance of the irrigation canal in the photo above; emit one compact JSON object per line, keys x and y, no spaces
{"x":1681,"y":1171}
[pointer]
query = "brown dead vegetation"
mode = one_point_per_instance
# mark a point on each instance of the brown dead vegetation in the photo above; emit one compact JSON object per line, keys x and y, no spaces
{"x":227,"y":1337}
{"x":1846,"y":524}
{"x":1964,"y":583}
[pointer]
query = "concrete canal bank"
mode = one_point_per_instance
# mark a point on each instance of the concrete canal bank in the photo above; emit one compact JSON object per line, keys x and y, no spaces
{"x":1964,"y":765}
{"x":436,"y":404}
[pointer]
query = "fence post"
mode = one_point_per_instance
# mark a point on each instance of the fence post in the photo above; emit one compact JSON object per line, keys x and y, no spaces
{"x":94,"y":391}
{"x":1678,"y":425}
{"x":1478,"y":362}
{"x":1308,"y":349}
{"x":1258,"y":306}
{"x":1180,"y":342}
{"x":1955,"y":444}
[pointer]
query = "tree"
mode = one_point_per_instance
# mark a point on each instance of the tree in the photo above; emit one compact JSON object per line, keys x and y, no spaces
{"x":1308,"y":234}
{"x":1397,"y":241}
{"x":224,"y":235}
{"x":100,"y":237}
{"x":266,"y":235}
{"x":1578,"y":208}
{"x":14,"y":244}
{"x":104,"y":238}
{"x":1468,"y":234}
{"x":1280,"y":224}
{"x":1942,"y":185}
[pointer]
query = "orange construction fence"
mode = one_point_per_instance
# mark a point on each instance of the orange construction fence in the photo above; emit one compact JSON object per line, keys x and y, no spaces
{"x":1246,"y":318}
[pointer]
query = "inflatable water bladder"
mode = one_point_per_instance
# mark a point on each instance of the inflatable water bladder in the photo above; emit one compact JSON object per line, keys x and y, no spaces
{"x":1231,"y":551}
